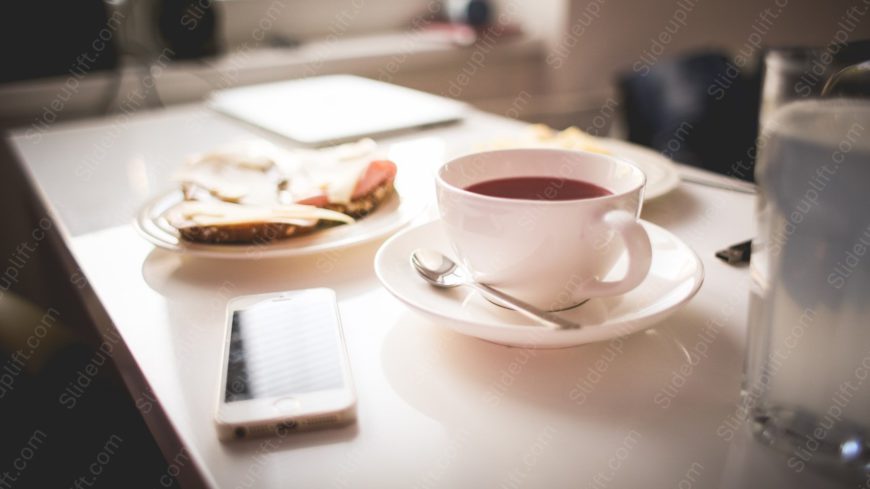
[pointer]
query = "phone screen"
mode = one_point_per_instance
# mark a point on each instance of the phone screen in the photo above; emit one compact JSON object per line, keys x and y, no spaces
{"x":283,"y":347}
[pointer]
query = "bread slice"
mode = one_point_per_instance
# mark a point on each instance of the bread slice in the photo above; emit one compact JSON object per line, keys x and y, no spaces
{"x":243,"y":172}
{"x":241,"y":195}
{"x":251,"y":233}
{"x":219,"y":222}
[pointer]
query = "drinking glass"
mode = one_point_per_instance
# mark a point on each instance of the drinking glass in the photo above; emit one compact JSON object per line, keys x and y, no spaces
{"x":806,"y":386}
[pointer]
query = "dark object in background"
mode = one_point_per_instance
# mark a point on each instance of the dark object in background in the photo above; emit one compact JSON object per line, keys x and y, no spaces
{"x":701,"y":110}
{"x":475,"y":13}
{"x":188,"y":27}
{"x":60,"y":445}
{"x":42,"y":38}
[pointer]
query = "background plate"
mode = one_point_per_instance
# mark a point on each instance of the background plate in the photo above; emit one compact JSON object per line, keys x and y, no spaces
{"x":661,"y":172}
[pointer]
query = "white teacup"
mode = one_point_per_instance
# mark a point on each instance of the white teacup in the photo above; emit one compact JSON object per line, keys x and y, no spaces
{"x":553,"y":254}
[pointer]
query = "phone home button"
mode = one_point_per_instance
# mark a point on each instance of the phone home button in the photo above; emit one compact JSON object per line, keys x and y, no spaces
{"x":287,"y":405}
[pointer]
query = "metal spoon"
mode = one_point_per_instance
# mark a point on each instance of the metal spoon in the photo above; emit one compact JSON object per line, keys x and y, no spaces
{"x":443,"y":272}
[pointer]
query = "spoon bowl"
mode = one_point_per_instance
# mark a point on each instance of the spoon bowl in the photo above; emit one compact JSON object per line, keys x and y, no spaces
{"x":436,"y":268}
{"x":440,"y":271}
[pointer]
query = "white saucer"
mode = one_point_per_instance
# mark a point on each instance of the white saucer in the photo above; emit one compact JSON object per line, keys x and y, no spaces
{"x":675,"y":276}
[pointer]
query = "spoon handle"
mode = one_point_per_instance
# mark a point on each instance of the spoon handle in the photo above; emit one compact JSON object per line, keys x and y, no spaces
{"x":547,"y":318}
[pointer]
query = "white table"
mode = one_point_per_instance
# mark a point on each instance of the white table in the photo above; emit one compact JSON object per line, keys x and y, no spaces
{"x":652,"y":414}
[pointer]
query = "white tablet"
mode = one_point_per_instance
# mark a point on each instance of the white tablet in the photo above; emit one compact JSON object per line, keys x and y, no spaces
{"x":331,"y":109}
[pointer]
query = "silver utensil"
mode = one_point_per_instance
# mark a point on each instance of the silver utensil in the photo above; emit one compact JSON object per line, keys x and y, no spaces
{"x":443,"y":272}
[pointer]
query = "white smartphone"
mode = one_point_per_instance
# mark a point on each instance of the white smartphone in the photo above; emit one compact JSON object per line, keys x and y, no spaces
{"x":285,"y":365}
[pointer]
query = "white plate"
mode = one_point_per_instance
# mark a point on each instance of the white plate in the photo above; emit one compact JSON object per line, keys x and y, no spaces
{"x":675,"y":276}
{"x":409,"y":200}
{"x":661,"y":172}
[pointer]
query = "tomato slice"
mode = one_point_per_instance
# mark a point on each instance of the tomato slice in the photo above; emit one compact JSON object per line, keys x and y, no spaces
{"x":376,"y":174}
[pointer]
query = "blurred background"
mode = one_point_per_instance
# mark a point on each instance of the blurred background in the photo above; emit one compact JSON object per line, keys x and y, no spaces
{"x":566,"y":54}
{"x":646,"y":70}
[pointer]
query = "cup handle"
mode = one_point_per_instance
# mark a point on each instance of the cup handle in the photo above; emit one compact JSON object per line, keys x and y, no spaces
{"x":639,"y":250}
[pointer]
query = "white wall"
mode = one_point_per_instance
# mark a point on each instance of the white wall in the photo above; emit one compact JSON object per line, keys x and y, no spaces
{"x":311,"y":19}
